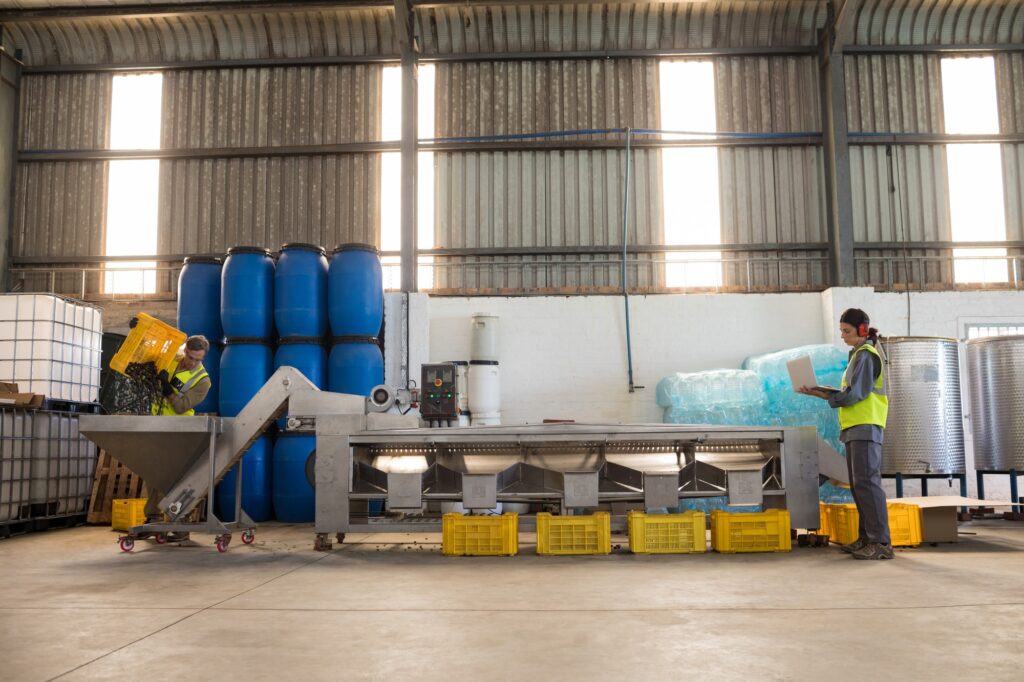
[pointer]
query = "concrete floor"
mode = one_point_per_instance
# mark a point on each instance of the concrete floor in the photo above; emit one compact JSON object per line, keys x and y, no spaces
{"x":73,"y":607}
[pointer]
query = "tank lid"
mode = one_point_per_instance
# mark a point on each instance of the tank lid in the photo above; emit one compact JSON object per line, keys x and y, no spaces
{"x":357,"y":247}
{"x":248,"y":249}
{"x":353,"y":339}
{"x":203,"y":259}
{"x":301,"y":246}
{"x":911,"y":339}
{"x":307,"y":340}
{"x":989,"y":339}
{"x":249,"y":340}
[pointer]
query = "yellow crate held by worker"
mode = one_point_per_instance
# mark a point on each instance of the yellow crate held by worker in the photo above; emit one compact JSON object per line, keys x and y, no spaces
{"x":150,"y":340}
{"x":904,"y":524}
{"x":766,"y":531}
{"x":126,"y":514}
{"x":463,"y":535}
{"x":574,"y":534}
{"x":667,"y":533}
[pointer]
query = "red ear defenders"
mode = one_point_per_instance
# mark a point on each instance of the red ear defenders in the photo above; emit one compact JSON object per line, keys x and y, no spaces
{"x":862,"y":329}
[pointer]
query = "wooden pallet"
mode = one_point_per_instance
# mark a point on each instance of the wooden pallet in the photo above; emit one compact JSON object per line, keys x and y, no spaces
{"x":113,"y":481}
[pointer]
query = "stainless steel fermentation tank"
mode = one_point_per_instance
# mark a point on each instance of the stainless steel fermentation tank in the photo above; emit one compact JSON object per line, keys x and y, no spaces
{"x":925,"y":430}
{"x":996,"y":370}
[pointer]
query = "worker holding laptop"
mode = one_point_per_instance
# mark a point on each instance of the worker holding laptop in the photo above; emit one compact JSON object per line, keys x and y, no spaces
{"x":863,"y":407}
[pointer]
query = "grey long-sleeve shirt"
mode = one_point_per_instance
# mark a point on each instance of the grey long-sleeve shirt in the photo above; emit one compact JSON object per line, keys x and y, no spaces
{"x":861,"y":375}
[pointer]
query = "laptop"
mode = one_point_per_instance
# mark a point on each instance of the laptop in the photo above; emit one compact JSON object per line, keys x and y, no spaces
{"x":801,"y":373}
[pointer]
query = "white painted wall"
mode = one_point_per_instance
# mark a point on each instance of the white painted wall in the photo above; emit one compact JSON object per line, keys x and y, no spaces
{"x":565,"y":357}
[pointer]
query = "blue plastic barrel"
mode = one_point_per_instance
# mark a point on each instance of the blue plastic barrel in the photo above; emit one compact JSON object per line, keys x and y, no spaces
{"x":199,"y":297}
{"x":294,"y":495}
{"x":355,"y":291}
{"x":247,"y":293}
{"x":305,"y":354}
{"x":355,"y":365}
{"x":256,"y":485}
{"x":300,"y":291}
{"x":244,"y":367}
{"x":211,"y":363}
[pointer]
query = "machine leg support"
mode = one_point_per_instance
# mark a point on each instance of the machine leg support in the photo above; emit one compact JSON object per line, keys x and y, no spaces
{"x":321,"y":543}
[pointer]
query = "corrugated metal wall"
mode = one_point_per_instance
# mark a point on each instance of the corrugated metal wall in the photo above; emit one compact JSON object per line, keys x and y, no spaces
{"x":571,"y":198}
{"x":209,"y":205}
{"x":1010,"y":80}
{"x":59,"y":206}
{"x":897,"y":94}
{"x":769,"y":194}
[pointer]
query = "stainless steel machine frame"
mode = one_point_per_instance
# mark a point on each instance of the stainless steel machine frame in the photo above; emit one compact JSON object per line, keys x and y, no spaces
{"x":600,"y":464}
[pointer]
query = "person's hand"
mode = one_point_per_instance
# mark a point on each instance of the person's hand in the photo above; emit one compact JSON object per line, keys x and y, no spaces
{"x":815,"y":392}
{"x":165,"y":383}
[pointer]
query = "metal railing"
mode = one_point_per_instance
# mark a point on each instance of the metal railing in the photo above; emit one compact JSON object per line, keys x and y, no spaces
{"x":525,"y":274}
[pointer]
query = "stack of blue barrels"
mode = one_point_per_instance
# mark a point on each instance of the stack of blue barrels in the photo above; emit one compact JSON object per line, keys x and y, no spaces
{"x":199,"y":313}
{"x":355,"y":301}
{"x":246,"y":305}
{"x":301,"y":315}
{"x":247,"y":313}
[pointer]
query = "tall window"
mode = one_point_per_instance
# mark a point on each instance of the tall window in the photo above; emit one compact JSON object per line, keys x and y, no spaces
{"x":391,"y":176}
{"x":690,"y":174}
{"x":977,"y":211}
{"x":133,"y":186}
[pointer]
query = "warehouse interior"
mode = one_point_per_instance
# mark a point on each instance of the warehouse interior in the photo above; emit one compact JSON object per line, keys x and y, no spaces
{"x":396,"y":339}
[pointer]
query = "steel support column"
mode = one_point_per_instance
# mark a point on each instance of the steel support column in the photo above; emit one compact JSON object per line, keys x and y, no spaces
{"x":405,"y":26}
{"x":836,"y":146}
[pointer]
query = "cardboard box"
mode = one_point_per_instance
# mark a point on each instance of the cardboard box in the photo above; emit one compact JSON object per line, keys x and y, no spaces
{"x":9,"y":396}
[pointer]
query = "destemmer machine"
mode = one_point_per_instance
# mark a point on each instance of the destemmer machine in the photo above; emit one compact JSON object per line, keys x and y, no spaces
{"x":368,"y":457}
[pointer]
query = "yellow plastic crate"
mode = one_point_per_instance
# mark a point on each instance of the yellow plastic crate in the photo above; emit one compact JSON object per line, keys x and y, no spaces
{"x":904,"y":524}
{"x":574,"y":534}
{"x":667,"y":533}
{"x":479,"y":535}
{"x":125,"y":514}
{"x":825,"y":523}
{"x":766,"y":531}
{"x":149,"y":341}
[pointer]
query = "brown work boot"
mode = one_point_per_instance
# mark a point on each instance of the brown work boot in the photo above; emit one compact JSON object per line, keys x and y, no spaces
{"x":874,"y":551}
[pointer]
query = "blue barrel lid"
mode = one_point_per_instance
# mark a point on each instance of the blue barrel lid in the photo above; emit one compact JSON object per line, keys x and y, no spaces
{"x":357,"y":247}
{"x":248,"y":249}
{"x":302,"y":246}
{"x":354,"y":339}
{"x":204,"y":259}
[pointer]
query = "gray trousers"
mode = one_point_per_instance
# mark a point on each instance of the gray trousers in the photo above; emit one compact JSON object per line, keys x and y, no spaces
{"x":864,"y":464}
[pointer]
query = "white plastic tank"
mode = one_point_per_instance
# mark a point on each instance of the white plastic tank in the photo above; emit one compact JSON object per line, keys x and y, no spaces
{"x":462,"y":383}
{"x":484,"y":339}
{"x":15,"y":462}
{"x":485,"y":393}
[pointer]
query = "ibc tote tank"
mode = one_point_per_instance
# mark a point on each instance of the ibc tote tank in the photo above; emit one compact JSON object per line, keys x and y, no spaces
{"x":247,"y":293}
{"x":300,"y":291}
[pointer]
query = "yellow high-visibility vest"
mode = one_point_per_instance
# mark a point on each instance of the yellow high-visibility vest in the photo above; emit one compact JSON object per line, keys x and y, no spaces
{"x":188,"y":378}
{"x":874,"y":409}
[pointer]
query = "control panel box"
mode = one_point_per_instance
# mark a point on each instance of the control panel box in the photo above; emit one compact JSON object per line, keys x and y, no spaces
{"x":439,"y":392}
